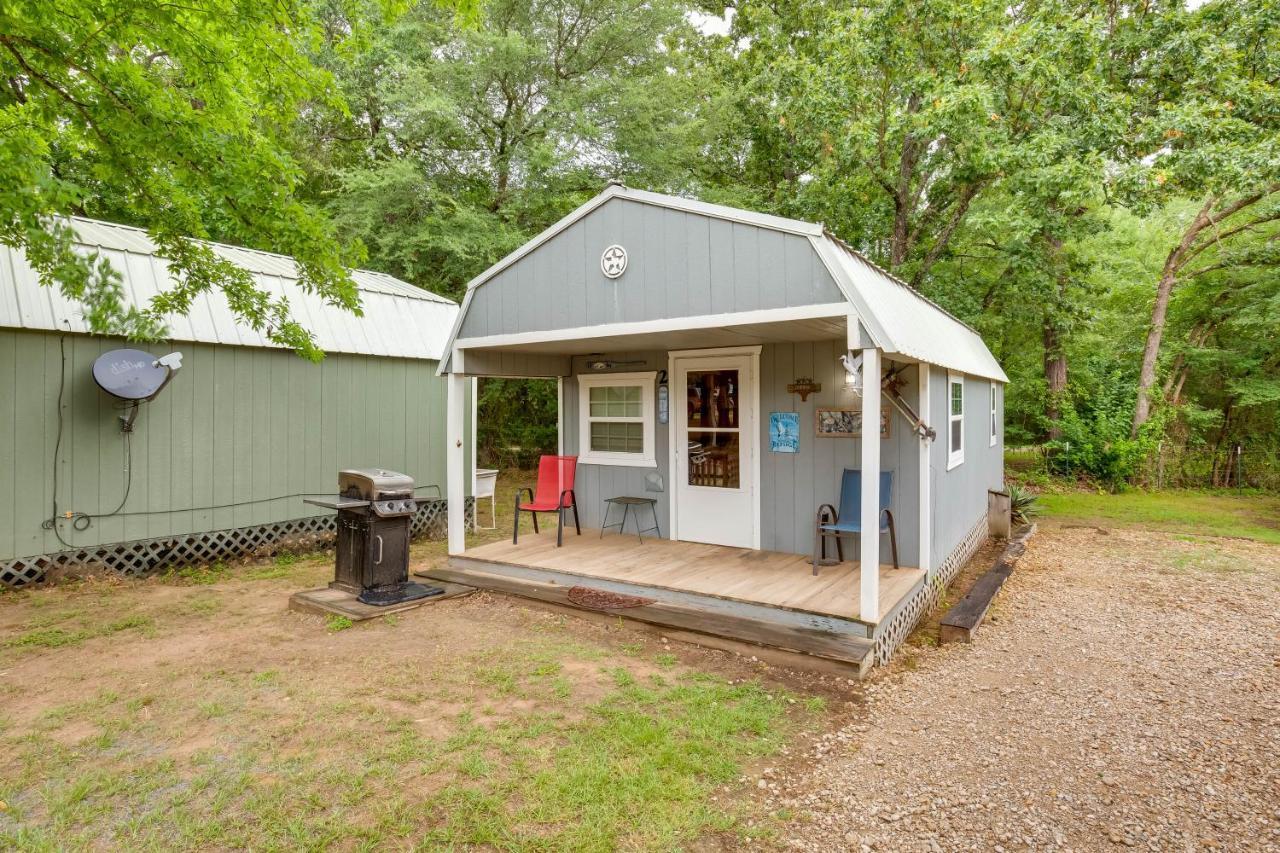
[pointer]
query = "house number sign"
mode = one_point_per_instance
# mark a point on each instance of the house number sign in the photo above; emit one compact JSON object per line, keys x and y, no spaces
{"x":613,"y":262}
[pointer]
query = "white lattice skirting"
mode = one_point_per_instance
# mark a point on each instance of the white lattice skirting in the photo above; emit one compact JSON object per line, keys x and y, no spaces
{"x":142,"y":556}
{"x":903,"y":619}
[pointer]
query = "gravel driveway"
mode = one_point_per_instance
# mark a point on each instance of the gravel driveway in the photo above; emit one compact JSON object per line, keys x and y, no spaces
{"x":1125,"y":694}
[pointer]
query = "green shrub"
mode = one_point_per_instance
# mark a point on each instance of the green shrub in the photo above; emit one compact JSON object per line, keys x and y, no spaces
{"x":1095,"y":441}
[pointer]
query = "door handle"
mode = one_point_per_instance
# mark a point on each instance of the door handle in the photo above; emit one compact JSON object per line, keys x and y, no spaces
{"x":378,"y":561}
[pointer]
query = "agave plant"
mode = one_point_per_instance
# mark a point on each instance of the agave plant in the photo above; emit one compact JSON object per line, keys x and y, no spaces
{"x":1023,"y":503}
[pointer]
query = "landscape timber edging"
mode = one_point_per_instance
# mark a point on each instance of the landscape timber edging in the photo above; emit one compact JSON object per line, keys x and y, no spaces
{"x":963,"y":619}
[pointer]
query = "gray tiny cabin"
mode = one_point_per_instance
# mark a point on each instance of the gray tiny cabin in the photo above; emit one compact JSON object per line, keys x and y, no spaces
{"x":217,"y":465}
{"x":716,"y":368}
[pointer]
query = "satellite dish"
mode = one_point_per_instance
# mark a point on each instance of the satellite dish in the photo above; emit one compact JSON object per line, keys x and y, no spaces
{"x":129,"y":374}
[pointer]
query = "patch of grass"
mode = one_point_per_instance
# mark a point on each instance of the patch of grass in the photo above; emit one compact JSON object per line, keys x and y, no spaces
{"x":198,"y":575}
{"x":53,"y":638}
{"x":211,"y":710}
{"x":1248,"y":516}
{"x":48,"y":638}
{"x":1206,"y":560}
{"x":538,"y":740}
{"x":204,"y":605}
{"x":334,"y":622}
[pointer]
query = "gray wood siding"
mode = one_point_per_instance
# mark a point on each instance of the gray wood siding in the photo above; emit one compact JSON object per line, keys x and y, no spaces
{"x":597,"y":482}
{"x":959,"y":496}
{"x":236,"y":425}
{"x":792,"y":485}
{"x":679,"y":264}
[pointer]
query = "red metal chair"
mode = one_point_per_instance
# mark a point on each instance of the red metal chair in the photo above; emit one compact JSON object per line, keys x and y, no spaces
{"x":555,"y":494}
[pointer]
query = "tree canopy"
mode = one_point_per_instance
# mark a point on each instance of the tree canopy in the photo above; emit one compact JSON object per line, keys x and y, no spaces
{"x":1094,"y":185}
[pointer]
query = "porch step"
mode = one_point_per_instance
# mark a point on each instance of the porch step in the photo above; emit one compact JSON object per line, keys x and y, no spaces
{"x":840,"y":641}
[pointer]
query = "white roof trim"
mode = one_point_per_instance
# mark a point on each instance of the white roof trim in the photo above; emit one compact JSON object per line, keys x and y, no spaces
{"x":649,"y":327}
{"x":400,"y":320}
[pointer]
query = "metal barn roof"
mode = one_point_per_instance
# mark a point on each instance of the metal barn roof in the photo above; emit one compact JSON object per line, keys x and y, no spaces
{"x":399,"y":320}
{"x":900,"y":319}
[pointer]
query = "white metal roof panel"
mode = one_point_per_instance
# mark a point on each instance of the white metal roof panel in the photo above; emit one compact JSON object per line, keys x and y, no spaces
{"x":399,"y":320}
{"x":906,"y":323}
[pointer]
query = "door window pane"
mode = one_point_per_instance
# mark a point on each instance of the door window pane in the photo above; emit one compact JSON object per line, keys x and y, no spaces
{"x":610,"y":437}
{"x":714,"y":459}
{"x":712,"y":398}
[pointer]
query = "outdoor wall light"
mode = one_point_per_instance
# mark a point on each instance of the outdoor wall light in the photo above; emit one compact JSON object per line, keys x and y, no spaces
{"x":852,"y":373}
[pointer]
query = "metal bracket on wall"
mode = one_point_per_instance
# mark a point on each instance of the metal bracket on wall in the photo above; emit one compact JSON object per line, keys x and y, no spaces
{"x":131,"y":415}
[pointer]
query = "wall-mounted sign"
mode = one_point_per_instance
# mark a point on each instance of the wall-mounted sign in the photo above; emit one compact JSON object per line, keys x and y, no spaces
{"x":804,"y":386}
{"x":613,"y":261}
{"x":847,"y":423}
{"x":784,"y":432}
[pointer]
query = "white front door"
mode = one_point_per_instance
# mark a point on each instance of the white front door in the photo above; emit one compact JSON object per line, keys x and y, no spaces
{"x":716,"y":445}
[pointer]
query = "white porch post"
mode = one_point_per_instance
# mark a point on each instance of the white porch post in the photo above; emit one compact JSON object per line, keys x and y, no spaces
{"x":560,"y":415}
{"x":869,"y":559}
{"x":926,"y":480}
{"x":455,"y":460}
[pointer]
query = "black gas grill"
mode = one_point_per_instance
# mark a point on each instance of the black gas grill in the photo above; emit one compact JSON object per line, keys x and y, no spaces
{"x":375,"y":509}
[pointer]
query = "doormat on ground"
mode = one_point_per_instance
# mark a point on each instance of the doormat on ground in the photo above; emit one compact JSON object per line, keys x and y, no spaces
{"x":598,"y":599}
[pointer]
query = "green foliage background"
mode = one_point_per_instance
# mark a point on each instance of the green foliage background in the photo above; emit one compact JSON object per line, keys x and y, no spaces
{"x":1094,"y":185}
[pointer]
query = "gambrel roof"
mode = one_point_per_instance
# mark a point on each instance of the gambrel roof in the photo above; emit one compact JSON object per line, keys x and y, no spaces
{"x":800,"y":265}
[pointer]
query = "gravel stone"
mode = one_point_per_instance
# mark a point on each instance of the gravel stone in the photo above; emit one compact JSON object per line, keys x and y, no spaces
{"x":1127,"y":696}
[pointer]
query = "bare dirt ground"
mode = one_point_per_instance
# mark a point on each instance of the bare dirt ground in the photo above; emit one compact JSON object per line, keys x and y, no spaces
{"x":1126,"y":693}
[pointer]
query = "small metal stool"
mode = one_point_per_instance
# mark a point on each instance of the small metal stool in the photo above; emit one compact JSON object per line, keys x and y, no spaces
{"x":627,"y":503}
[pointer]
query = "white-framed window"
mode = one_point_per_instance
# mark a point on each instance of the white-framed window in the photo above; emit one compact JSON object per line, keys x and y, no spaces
{"x":995,"y":416}
{"x":616,"y":419}
{"x":955,"y":420}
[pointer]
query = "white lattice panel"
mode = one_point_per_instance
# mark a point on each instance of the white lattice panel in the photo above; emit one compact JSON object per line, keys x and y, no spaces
{"x":900,"y":623}
{"x":143,"y":556}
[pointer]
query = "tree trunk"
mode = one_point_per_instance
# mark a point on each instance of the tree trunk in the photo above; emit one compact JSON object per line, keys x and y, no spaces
{"x":1055,"y":376}
{"x":1178,"y":257}
{"x":1159,"y":312}
{"x":1217,"y":445}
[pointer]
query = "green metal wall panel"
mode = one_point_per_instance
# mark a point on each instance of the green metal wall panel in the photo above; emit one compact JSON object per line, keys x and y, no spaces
{"x":237,"y":425}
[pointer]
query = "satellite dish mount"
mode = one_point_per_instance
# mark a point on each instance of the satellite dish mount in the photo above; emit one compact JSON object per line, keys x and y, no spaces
{"x":135,"y":377}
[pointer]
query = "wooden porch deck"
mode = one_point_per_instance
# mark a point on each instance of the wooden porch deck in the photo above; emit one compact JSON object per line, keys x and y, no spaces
{"x":763,"y":597}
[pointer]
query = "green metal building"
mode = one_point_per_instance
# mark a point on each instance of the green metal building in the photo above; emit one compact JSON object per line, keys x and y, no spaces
{"x":218,"y":464}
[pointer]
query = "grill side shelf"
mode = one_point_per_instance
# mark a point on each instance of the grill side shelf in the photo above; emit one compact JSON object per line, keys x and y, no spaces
{"x":337,"y":502}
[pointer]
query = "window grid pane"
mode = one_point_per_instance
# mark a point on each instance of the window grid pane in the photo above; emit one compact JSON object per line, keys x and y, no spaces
{"x":615,"y":401}
{"x":957,"y":398}
{"x":611,"y":437}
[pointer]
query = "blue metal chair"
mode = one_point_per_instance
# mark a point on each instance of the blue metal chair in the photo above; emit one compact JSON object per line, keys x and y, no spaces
{"x":848,"y":521}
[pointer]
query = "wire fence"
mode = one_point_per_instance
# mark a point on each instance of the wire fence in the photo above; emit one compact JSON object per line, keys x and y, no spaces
{"x":1235,"y":466}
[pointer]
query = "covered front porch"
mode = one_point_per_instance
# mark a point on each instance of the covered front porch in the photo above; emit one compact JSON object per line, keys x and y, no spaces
{"x":759,"y":505}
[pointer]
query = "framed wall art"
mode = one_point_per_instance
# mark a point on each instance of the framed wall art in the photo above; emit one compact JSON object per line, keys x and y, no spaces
{"x":847,"y":423}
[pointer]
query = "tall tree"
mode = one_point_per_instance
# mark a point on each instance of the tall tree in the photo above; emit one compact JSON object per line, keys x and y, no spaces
{"x":1212,"y":133}
{"x":462,"y":143}
{"x":171,"y":117}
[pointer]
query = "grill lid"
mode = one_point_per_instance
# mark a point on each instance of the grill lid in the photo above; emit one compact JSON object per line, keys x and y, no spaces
{"x":372,"y":484}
